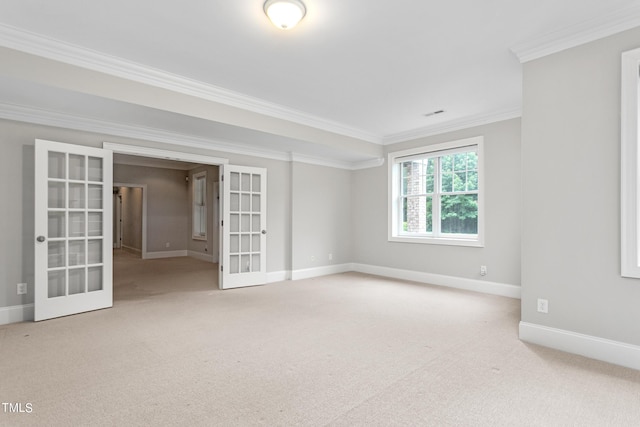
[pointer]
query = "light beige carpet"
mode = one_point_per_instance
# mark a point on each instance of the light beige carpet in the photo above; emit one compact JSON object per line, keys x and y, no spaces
{"x":341,"y":350}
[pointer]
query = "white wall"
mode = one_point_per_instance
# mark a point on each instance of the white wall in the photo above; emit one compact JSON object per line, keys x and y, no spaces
{"x":571,"y":193}
{"x":501,"y":253}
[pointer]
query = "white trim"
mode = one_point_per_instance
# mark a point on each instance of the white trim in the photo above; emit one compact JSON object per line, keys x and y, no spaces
{"x":201,"y":256}
{"x":136,"y":150}
{"x":46,"y":47}
{"x":610,"y":351}
{"x":629,"y":191}
{"x":16,"y":313}
{"x":64,"y":120}
{"x":493,"y":288}
{"x":166,"y":254}
{"x":454,"y":125}
{"x":308,"y":273}
{"x":575,"y":35}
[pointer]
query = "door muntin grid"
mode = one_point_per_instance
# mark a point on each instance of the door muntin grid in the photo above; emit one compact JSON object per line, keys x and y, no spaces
{"x":245,"y":218}
{"x":75,"y":210}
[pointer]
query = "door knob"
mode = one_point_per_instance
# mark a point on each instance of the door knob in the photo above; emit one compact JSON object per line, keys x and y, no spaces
{"x":264,"y":231}
{"x":40,"y":239}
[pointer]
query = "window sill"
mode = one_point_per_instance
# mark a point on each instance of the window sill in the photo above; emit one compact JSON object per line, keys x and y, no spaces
{"x":448,"y":241}
{"x":199,"y":237}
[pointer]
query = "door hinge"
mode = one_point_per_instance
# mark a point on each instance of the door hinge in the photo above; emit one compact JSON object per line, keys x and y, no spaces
{"x":222,"y":223}
{"x":221,"y":268}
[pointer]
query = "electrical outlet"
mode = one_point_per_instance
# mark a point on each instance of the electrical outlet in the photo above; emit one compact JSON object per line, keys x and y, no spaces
{"x":543,"y":305}
{"x":330,"y":257}
{"x":483,"y":270}
{"x":166,"y":245}
{"x":22,"y":288}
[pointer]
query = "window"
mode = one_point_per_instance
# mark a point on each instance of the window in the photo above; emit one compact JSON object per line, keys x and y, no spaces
{"x":630,"y":197}
{"x":436,"y":194}
{"x":200,"y":206}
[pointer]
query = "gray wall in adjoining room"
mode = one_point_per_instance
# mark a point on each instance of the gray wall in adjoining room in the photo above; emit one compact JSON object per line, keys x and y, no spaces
{"x":501,"y":253}
{"x":167,"y":204}
{"x":571,"y":192}
{"x":321,"y":216}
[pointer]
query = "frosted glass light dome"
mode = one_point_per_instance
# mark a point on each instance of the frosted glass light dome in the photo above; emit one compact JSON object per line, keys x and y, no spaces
{"x":285,"y":14}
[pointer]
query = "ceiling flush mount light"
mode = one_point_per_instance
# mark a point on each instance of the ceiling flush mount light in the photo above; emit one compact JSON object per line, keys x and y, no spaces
{"x":285,"y":14}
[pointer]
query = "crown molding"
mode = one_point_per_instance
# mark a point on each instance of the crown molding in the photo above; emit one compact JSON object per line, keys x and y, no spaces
{"x":36,"y":44}
{"x":575,"y":35}
{"x":453,"y":125}
{"x":67,"y":121}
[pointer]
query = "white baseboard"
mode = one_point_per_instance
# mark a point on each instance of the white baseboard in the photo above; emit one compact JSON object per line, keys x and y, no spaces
{"x":618,"y":353}
{"x":278,"y":276}
{"x":166,"y":254}
{"x":494,"y":288}
{"x":16,"y":313}
{"x":201,"y":256}
{"x":308,"y":273}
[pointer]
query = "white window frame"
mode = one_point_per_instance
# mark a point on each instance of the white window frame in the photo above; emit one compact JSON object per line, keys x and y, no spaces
{"x":395,"y":159}
{"x":196,"y":231}
{"x":629,"y":162}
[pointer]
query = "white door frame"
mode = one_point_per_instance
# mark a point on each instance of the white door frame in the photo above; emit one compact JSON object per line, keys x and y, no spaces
{"x":144,"y":213}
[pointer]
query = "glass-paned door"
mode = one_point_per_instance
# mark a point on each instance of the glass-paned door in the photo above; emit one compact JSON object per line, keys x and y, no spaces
{"x":73,"y":210}
{"x":244,"y":219}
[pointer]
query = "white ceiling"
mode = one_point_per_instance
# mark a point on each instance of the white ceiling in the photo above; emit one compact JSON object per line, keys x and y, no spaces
{"x":364,"y":70}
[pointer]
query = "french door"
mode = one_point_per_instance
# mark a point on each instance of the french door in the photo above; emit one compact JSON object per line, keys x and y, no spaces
{"x":73,"y":229}
{"x":243,"y":226}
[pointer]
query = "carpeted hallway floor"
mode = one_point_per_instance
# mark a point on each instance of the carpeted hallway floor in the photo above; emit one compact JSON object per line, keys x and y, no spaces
{"x":341,"y":350}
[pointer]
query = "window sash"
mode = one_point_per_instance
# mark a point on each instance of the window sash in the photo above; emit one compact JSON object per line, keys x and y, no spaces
{"x":199,"y":206}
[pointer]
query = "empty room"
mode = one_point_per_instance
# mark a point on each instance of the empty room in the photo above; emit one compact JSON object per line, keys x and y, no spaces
{"x":320,"y":213}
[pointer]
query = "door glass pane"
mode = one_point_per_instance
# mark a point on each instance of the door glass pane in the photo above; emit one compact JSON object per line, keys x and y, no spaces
{"x":234,"y":261}
{"x":255,"y":183}
{"x":76,"y":196}
{"x":94,"y":279}
{"x":234,"y":227}
{"x":95,"y":224}
{"x":95,"y":196}
{"x":56,"y":225}
{"x":57,"y":165}
{"x":245,"y":265}
{"x":234,"y":243}
{"x":56,"y":255}
{"x":255,"y":203}
{"x":246,"y":243}
{"x":76,"y":281}
{"x":234,"y":185}
{"x":255,"y":223}
{"x":95,"y":169}
{"x":234,"y":202}
{"x":255,"y":262}
{"x":255,"y":243}
{"x":76,"y":252}
{"x":57,"y":199}
{"x":246,"y":203}
{"x":76,"y":224}
{"x":56,"y":284}
{"x":244,"y":226}
{"x":76,"y":167}
{"x":246,"y":182}
{"x":94,"y":251}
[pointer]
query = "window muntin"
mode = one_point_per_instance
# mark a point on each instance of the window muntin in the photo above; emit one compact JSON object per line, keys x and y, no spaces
{"x":200,"y":206}
{"x":435,"y":194}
